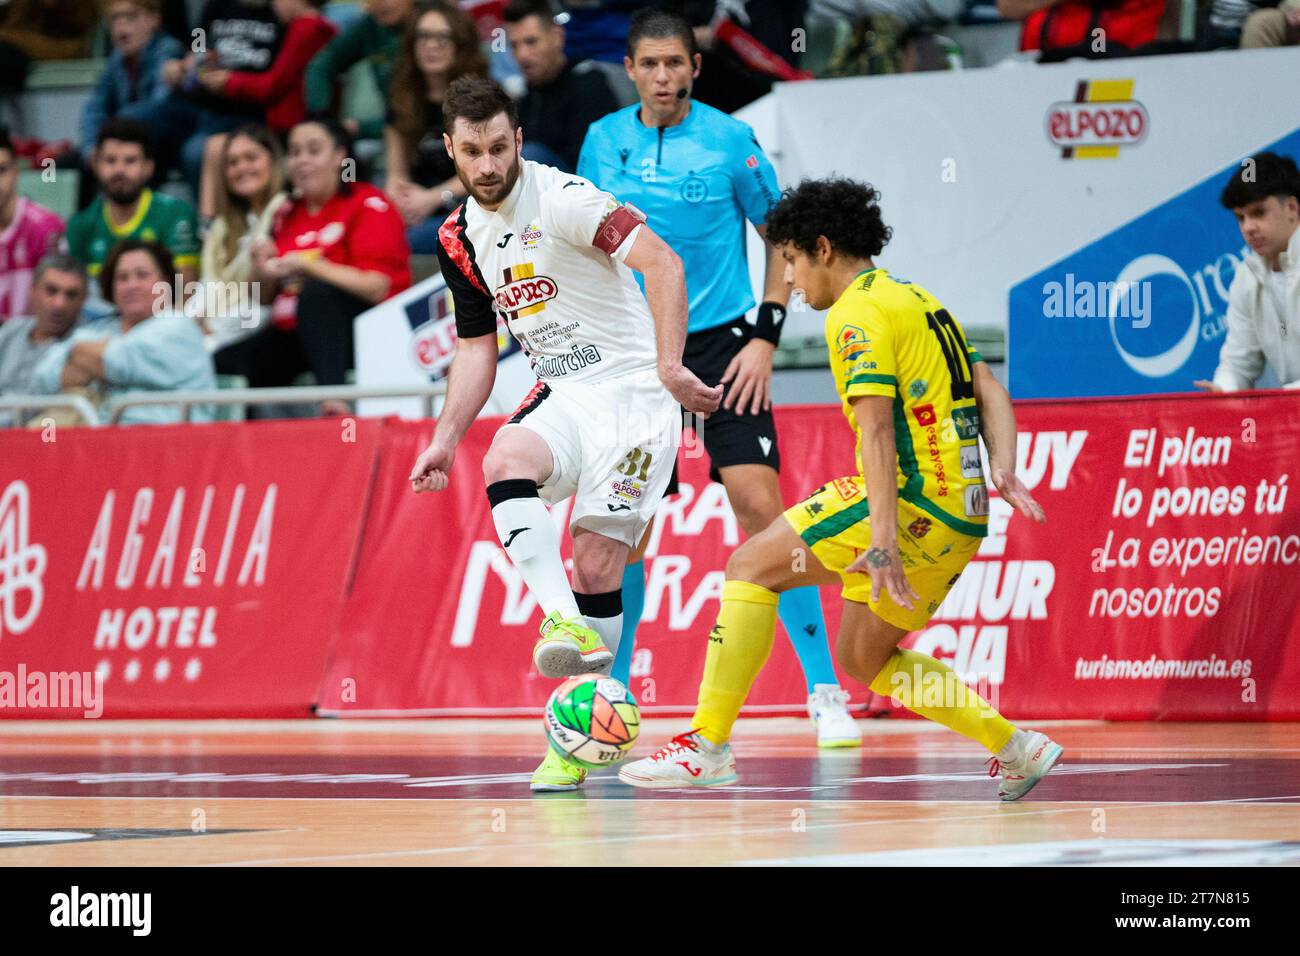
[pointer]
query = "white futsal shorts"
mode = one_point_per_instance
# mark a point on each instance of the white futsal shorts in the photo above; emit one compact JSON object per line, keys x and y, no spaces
{"x":613,"y":443}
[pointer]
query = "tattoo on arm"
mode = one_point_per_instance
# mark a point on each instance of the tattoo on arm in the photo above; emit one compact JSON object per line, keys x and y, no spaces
{"x":878,"y":558}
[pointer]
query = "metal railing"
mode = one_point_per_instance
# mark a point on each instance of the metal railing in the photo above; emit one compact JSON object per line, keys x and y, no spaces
{"x":289,"y":395}
{"x":112,"y":411}
{"x":78,"y":403}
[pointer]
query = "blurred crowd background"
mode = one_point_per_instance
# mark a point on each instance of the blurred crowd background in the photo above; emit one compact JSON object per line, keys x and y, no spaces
{"x":208,"y":137}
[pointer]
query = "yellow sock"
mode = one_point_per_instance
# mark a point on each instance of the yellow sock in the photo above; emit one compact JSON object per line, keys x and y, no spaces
{"x":739,"y":645}
{"x":932,"y":689}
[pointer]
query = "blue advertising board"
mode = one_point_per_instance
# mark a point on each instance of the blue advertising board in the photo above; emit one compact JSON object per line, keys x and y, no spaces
{"x":1139,"y":311}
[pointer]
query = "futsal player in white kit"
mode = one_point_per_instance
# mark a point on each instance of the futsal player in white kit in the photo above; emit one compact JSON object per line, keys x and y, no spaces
{"x":553,"y":255}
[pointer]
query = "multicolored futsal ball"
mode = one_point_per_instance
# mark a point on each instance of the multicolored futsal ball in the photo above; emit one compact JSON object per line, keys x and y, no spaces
{"x":592,"y":719}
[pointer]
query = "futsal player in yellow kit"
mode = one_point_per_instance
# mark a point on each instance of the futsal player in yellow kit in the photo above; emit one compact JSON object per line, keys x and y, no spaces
{"x":898,"y":533}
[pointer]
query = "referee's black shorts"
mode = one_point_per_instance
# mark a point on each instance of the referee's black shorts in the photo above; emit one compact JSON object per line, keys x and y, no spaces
{"x":729,"y":439}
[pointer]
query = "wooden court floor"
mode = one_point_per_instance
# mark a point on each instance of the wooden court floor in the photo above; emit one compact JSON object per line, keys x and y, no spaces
{"x":454,"y":792}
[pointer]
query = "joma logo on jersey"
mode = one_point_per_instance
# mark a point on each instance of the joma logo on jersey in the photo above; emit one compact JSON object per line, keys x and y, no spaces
{"x":523,"y":292}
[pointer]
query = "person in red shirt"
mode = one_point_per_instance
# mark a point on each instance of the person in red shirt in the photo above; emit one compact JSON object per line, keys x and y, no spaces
{"x":278,"y":89}
{"x":337,"y":249}
{"x":1060,"y":28}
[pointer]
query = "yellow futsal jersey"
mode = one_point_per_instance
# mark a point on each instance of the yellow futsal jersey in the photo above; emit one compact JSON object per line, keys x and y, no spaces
{"x":891,"y":338}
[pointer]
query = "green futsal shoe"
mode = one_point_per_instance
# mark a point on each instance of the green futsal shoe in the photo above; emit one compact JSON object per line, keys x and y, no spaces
{"x":557,"y":774}
{"x":569,"y":647}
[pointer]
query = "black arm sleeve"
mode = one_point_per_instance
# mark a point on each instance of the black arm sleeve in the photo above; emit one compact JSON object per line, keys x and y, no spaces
{"x":475,"y":310}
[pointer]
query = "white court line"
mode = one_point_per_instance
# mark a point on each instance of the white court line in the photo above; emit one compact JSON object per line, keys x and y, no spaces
{"x":662,"y":837}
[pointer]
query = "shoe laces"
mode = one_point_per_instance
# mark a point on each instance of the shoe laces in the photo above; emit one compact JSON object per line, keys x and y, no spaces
{"x":1007,"y":770}
{"x":675,"y":746}
{"x":829,"y":697}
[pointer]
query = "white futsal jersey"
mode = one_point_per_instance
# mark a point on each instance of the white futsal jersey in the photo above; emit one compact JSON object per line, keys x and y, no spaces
{"x":550,"y":261}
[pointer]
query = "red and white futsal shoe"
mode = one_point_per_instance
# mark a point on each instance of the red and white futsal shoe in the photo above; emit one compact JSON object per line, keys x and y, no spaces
{"x":688,"y":761}
{"x":1025,"y":760}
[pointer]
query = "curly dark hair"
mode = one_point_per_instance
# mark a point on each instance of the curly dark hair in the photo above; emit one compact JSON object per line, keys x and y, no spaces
{"x":1271,"y":175}
{"x":842,"y":210}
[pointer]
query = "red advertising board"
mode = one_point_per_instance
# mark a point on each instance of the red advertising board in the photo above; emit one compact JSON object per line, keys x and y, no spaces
{"x":1164,"y":583}
{"x":439,"y":621}
{"x":1162,"y":586}
{"x":199,"y":569}
{"x":261,"y":569}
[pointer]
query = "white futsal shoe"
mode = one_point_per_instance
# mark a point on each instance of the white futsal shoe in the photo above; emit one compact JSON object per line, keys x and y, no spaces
{"x":1025,"y":760}
{"x":688,"y":761}
{"x":827,"y":707}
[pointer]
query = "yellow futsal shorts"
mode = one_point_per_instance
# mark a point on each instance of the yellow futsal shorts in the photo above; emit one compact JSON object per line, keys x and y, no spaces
{"x":833,"y":521}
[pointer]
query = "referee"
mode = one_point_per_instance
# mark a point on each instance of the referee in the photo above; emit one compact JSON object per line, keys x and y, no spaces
{"x":698,"y":175}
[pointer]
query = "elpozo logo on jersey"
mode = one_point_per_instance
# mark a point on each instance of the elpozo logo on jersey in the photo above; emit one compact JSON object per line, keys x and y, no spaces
{"x":523,"y":292}
{"x":1103,"y":117}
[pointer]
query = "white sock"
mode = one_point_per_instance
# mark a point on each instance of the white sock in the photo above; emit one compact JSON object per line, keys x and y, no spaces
{"x":610,"y":630}
{"x":526,"y":531}
{"x":604,"y":615}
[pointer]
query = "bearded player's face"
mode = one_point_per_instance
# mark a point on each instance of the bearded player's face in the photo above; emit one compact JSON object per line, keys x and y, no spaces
{"x":487,"y":157}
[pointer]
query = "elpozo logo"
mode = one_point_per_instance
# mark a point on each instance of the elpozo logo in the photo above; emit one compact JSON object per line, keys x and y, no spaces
{"x":1103,"y":117}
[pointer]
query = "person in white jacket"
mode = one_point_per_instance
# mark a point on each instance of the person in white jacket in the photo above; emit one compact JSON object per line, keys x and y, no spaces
{"x":1264,"y":299}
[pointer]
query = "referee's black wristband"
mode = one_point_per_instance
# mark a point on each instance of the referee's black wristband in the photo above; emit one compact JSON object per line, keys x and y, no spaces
{"x":771,"y":316}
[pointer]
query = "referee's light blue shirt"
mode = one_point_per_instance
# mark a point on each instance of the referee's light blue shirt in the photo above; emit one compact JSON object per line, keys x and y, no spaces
{"x":697,"y":182}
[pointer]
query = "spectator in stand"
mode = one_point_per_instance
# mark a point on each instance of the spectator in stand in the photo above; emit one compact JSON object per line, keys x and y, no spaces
{"x":145,"y":346}
{"x":132,"y":84}
{"x":1061,"y":29}
{"x":440,"y":45}
{"x":278,"y":90}
{"x":58,"y":293}
{"x":563,"y":99}
{"x":27,"y":232}
{"x":597,"y":29}
{"x":375,"y":38}
{"x":728,"y":80}
{"x":252,"y":176}
{"x":889,"y":36}
{"x":127,"y":208}
{"x":1273,"y":27}
{"x":1264,"y":298}
{"x":337,"y":249}
{"x":47,"y":29}
{"x":242,"y":36}
{"x":1224,"y":20}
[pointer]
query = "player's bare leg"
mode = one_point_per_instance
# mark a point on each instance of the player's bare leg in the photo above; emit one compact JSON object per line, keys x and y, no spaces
{"x":755,"y":495}
{"x":598,"y":563}
{"x":867,"y":649}
{"x":770,"y":563}
{"x":518,"y":461}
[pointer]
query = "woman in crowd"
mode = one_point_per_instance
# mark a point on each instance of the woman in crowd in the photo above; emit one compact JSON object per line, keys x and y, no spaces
{"x":440,"y":45}
{"x":252,"y":192}
{"x":143,"y":346}
{"x":336,"y":249}
{"x":278,"y":89}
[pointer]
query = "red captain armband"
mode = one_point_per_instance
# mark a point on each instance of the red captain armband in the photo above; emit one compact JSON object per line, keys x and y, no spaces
{"x":616,"y":227}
